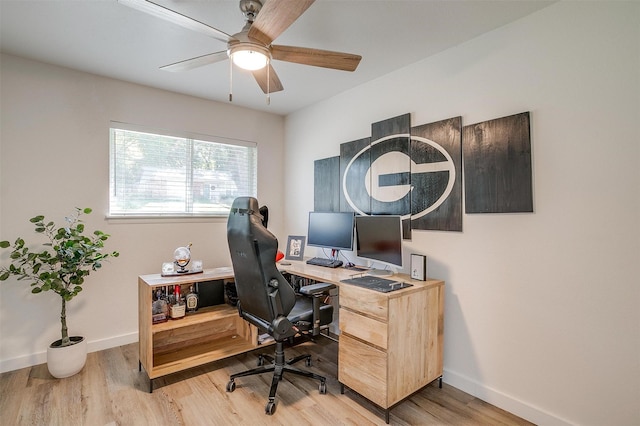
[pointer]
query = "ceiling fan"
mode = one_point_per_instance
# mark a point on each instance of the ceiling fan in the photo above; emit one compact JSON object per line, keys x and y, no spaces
{"x":251,"y":48}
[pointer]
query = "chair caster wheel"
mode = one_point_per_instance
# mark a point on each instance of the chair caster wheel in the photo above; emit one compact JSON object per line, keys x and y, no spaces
{"x":323,"y":388}
{"x":231,"y":386}
{"x":260,"y":361}
{"x":307,"y":362}
{"x":270,"y":408}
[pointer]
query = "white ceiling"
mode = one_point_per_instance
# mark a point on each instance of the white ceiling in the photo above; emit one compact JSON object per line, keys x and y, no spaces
{"x":107,"y":38}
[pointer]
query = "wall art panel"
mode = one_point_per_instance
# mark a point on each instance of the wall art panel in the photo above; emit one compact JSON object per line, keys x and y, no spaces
{"x":326,"y":188}
{"x":497,"y":165}
{"x":390,"y":169}
{"x":436,"y":175}
{"x":355,"y":160}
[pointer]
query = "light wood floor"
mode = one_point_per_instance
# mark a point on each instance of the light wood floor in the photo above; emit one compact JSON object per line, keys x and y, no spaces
{"x":111,"y":391}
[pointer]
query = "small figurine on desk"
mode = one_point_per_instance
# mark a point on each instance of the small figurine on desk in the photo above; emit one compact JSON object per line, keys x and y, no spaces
{"x":182,"y":257}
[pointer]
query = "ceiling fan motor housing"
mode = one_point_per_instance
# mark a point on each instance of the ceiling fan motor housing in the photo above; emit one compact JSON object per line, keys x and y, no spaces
{"x":250,"y":9}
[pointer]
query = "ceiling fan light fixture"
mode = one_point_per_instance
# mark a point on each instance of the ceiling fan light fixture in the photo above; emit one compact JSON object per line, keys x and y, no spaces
{"x":249,"y":57}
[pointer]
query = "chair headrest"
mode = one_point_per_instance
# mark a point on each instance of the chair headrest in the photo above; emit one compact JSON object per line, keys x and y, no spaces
{"x":246,"y":205}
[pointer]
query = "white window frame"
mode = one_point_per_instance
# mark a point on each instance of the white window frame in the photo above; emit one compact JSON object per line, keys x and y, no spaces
{"x":190,"y":138}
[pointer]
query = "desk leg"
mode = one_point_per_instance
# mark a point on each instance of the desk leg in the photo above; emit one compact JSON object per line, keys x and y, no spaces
{"x":440,"y":382}
{"x":341,"y":389}
{"x":150,"y":379}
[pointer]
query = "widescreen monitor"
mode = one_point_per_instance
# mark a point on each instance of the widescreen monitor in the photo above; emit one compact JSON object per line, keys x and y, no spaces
{"x":332,"y":230}
{"x":379,"y":239}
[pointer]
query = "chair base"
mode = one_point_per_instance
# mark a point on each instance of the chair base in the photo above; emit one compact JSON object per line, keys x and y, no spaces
{"x":278,"y":367}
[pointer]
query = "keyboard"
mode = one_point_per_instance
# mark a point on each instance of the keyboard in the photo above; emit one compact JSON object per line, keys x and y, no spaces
{"x":382,"y":285}
{"x":321,"y":261}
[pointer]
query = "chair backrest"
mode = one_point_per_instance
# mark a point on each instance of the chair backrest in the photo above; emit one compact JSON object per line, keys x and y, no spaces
{"x":253,"y":255}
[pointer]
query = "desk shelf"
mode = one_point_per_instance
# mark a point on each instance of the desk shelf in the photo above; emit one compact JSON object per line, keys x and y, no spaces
{"x":194,"y":355}
{"x":210,"y":313}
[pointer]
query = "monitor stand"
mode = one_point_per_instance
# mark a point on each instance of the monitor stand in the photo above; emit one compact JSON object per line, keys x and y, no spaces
{"x":380,"y":272}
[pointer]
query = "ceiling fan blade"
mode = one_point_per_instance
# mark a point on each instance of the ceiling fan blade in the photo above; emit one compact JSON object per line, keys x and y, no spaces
{"x":274,"y":82}
{"x":176,"y":18}
{"x":316,"y":57}
{"x":275,"y":16}
{"x":199,"y":61}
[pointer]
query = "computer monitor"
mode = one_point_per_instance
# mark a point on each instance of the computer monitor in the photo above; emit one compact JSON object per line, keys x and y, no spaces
{"x":333,"y":230}
{"x":379,"y":239}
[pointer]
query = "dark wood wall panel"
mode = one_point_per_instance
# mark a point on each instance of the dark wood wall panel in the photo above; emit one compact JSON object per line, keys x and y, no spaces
{"x":391,"y":136}
{"x":497,"y":169}
{"x":432,"y":173}
{"x":326,"y":187}
{"x":355,"y":175}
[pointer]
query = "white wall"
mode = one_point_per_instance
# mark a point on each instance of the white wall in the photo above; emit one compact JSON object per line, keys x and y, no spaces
{"x":542,"y":310}
{"x":54,"y":155}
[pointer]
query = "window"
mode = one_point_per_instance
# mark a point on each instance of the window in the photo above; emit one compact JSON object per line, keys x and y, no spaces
{"x":154,"y":174}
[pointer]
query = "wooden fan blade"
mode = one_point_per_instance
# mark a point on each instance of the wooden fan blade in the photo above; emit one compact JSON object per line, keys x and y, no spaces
{"x":316,"y":57}
{"x":274,"y":82}
{"x":275,"y":17}
{"x":199,"y":61}
{"x":176,"y":18}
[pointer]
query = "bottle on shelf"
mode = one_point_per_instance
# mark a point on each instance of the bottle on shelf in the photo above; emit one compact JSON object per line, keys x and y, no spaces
{"x":192,"y":300}
{"x":159,"y":308}
{"x":178,"y":308}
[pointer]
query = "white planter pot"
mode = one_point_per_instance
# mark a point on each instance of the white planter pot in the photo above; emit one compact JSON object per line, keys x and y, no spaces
{"x":68,"y":360}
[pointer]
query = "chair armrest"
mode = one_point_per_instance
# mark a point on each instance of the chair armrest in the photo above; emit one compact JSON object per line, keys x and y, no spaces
{"x":309,"y":290}
{"x":316,"y":291}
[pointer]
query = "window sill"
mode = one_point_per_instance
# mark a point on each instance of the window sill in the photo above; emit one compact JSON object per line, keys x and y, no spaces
{"x":167,"y":219}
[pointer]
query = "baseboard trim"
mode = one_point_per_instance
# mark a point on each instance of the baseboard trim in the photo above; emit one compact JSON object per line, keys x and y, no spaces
{"x":41,"y":357}
{"x":502,"y":400}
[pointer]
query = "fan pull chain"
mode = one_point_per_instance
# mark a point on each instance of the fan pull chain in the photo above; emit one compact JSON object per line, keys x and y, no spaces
{"x":230,"y":80}
{"x":268,"y":81}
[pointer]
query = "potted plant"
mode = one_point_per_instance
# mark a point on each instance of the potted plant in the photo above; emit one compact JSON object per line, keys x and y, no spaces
{"x":59,"y":265}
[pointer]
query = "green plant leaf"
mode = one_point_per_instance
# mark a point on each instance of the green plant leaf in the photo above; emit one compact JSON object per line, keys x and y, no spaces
{"x":4,"y":244}
{"x":36,"y":219}
{"x":87,"y":210}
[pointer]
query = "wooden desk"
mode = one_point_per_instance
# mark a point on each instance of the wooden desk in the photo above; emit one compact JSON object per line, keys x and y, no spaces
{"x":391,"y":344}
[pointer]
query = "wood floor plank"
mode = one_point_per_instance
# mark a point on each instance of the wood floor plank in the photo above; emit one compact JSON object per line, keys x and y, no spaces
{"x":111,"y":391}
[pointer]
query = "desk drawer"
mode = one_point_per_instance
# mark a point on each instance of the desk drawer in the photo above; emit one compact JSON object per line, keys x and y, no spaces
{"x":369,"y":302}
{"x":364,"y":328}
{"x":363,"y":368}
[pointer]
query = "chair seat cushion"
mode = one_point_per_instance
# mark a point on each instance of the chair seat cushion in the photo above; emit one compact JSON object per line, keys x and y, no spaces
{"x":303,"y":311}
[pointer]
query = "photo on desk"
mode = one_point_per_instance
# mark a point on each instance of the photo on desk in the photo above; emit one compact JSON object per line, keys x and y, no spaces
{"x":295,"y":247}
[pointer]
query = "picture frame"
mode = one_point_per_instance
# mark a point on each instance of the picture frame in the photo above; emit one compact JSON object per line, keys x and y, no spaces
{"x":295,"y":247}
{"x":418,"y":267}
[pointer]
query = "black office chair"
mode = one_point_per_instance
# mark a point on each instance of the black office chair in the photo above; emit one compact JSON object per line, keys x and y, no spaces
{"x":267,"y":300}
